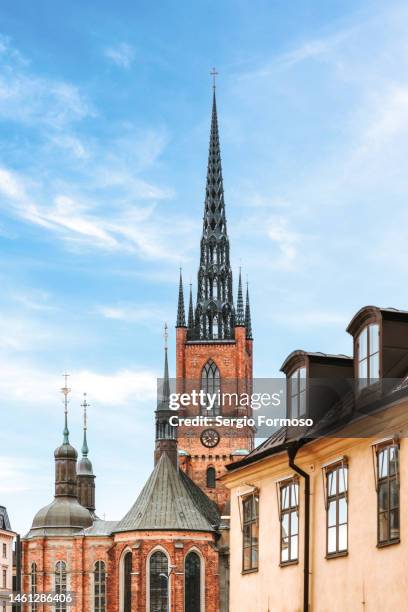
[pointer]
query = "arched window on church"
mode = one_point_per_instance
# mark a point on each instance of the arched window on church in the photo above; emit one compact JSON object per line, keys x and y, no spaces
{"x":210,"y":384}
{"x":211,"y":478}
{"x":33,"y":586}
{"x":99,"y":587}
{"x":159,"y":582}
{"x":61,"y":585}
{"x":192,"y":588}
{"x":127,"y":582}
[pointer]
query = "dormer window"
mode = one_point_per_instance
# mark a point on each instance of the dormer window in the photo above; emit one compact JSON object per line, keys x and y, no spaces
{"x":368,"y":355}
{"x":297,"y":393}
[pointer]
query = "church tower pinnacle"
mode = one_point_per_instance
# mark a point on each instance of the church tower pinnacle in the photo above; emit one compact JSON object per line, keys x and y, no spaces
{"x":85,"y":475}
{"x":166,"y":437}
{"x":65,"y":455}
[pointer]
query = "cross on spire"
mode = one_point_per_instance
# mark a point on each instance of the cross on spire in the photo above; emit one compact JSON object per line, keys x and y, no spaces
{"x":66,"y":391}
{"x":214,"y":75}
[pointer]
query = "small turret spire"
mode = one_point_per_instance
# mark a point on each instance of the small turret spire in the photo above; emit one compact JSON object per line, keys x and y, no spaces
{"x":85,"y":449}
{"x":181,"y":316}
{"x":248,"y":323}
{"x":164,"y":397}
{"x":66,"y":391}
{"x":240,"y":320}
{"x":191,"y":310}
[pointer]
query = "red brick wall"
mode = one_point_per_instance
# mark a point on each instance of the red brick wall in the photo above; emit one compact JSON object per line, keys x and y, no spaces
{"x":234,"y":361}
{"x":80,"y":554}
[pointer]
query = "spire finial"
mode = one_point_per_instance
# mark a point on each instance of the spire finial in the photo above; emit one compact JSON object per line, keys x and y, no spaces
{"x":191,"y":310}
{"x":65,"y":390}
{"x":165,"y":336}
{"x":181,"y":315}
{"x":248,"y":323}
{"x":214,"y":75}
{"x":85,"y":405}
{"x":240,"y":303}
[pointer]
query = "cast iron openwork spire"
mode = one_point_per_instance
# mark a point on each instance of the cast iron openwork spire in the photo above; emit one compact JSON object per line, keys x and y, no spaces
{"x":181,"y":316}
{"x":190,"y":312}
{"x":214,"y":315}
{"x":248,"y":323}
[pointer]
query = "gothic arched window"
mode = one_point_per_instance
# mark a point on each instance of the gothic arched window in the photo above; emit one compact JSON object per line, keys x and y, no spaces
{"x":33,"y":585}
{"x":192,"y":589}
{"x":211,"y":478}
{"x":99,"y":587}
{"x":210,"y":384}
{"x":127,"y":582}
{"x":61,"y":585}
{"x":159,"y":582}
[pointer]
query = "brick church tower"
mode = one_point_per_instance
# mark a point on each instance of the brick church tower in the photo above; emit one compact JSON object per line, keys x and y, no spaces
{"x":214,"y":346}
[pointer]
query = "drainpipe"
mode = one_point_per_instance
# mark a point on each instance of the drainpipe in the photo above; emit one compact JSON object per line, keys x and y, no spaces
{"x":292,"y":450}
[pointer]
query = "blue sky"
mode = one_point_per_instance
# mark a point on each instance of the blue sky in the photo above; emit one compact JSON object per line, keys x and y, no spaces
{"x":104,"y":126}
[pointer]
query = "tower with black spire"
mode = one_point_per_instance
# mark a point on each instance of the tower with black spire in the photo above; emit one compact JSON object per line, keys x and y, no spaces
{"x":85,"y":475}
{"x":214,"y":348}
{"x":166,"y":436}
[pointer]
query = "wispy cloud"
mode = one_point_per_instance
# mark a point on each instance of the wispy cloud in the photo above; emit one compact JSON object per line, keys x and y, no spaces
{"x":121,"y":55}
{"x":132,"y":314}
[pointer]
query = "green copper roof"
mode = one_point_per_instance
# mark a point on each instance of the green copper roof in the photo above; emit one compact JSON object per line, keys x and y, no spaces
{"x":170,"y":501}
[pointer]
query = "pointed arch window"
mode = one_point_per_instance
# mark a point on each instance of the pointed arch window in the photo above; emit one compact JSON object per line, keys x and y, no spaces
{"x":211,"y":478}
{"x":192,"y":589}
{"x":210,"y":384}
{"x":127,"y":582}
{"x":33,"y":586}
{"x":100,"y":587}
{"x":159,"y":582}
{"x":61,"y":585}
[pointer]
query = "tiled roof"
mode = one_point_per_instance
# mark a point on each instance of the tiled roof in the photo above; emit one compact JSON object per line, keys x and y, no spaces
{"x":170,"y":501}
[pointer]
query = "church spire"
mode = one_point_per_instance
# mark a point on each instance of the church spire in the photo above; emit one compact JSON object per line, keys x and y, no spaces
{"x":85,"y":475}
{"x":214,"y":318}
{"x":190,"y":312}
{"x":240,"y":318}
{"x":166,"y":435}
{"x":248,"y":323}
{"x":65,"y":455}
{"x":181,"y":316}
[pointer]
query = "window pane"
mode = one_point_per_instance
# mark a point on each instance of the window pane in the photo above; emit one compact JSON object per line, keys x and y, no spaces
{"x":332,"y":482}
{"x":362,"y":345}
{"x":285,"y":524}
{"x":342,"y":476}
{"x":394,"y":494}
{"x":294,"y":406}
{"x":383,"y":496}
{"x":293,"y":523}
{"x":302,"y":379}
{"x":394,"y":524}
{"x":374,"y":338}
{"x":383,"y":527}
{"x":302,"y":404}
{"x":362,"y":369}
{"x":331,"y":540}
{"x":342,"y":537}
{"x":375,"y":366}
{"x":342,"y":511}
{"x":331,"y":519}
{"x":247,"y":535}
{"x":247,"y":558}
{"x":294,"y":548}
{"x":383,"y":463}
{"x":285,"y":498}
{"x":285,"y":550}
{"x":393,"y":458}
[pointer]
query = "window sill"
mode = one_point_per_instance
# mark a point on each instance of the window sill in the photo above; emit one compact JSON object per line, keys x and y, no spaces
{"x":343,"y":553}
{"x":249,"y":571}
{"x":390,"y":543}
{"x":288,"y":563}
